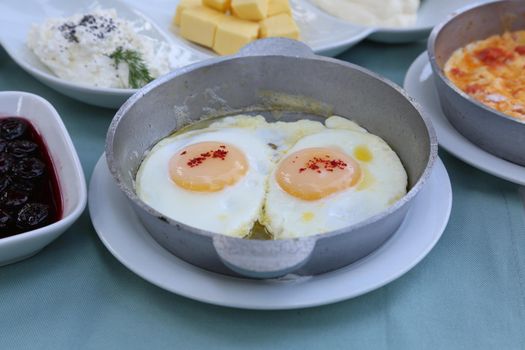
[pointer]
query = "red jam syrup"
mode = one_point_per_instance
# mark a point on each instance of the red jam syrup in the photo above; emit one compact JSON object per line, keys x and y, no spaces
{"x":29,"y":191}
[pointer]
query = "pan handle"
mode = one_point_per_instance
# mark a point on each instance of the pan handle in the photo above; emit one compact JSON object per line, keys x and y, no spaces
{"x":276,"y":46}
{"x":263,"y":259}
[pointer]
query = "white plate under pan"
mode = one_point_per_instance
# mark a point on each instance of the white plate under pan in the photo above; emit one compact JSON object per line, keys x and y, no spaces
{"x":122,"y":233}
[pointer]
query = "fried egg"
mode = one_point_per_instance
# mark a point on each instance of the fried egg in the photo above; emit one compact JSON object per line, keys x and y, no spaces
{"x":331,"y":179}
{"x":294,"y":178}
{"x":213,"y":179}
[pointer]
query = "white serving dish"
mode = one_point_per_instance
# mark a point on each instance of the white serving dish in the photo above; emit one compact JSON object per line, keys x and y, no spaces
{"x":65,"y":160}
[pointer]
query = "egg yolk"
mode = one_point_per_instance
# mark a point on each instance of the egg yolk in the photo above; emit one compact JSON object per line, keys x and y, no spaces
{"x":315,"y":173}
{"x":207,"y":166}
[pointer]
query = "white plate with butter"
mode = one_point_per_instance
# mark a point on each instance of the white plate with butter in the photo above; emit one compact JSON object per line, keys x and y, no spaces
{"x":325,"y":34}
{"x":429,"y":13}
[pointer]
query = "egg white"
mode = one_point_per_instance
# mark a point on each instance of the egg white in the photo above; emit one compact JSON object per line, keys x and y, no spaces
{"x":280,"y":136}
{"x":384,"y":181}
{"x":231,"y":211}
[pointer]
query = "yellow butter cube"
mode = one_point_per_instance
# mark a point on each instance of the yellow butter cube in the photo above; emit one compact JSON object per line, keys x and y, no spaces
{"x":183,"y":5}
{"x":254,"y":10}
{"x":281,"y":25}
{"x":276,"y":7}
{"x":233,"y":33}
{"x":219,"y":5}
{"x":199,"y":24}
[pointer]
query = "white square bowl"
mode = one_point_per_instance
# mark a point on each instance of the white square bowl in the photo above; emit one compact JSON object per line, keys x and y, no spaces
{"x":71,"y":181}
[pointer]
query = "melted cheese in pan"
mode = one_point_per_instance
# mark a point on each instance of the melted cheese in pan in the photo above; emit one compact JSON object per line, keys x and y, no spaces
{"x":493,"y":72}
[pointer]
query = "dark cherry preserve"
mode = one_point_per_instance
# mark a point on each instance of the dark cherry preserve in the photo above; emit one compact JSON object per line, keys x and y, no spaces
{"x":29,"y":192}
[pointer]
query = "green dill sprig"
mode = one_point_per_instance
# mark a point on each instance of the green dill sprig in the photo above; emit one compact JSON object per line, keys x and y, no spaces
{"x":138,"y":72}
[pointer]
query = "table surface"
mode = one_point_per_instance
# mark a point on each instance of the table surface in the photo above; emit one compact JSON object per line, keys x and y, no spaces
{"x":469,"y":292}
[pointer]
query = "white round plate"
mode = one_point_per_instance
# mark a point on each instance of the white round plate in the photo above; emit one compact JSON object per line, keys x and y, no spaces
{"x":420,"y":85}
{"x":430,"y":13}
{"x":122,"y":233}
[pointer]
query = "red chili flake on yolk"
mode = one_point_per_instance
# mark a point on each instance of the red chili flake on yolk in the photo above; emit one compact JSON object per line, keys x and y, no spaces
{"x":316,"y":164}
{"x":493,"y":55}
{"x":220,"y":153}
{"x":183,"y":153}
{"x":196,"y":161}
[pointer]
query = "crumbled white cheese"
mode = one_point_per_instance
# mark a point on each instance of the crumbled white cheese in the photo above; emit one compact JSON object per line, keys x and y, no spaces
{"x":77,"y":48}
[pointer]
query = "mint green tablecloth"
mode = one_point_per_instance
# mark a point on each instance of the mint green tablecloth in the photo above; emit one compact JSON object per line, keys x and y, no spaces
{"x":469,"y":293}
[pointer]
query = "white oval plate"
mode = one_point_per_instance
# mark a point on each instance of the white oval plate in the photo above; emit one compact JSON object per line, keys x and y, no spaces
{"x":122,"y":233}
{"x":420,"y":85}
